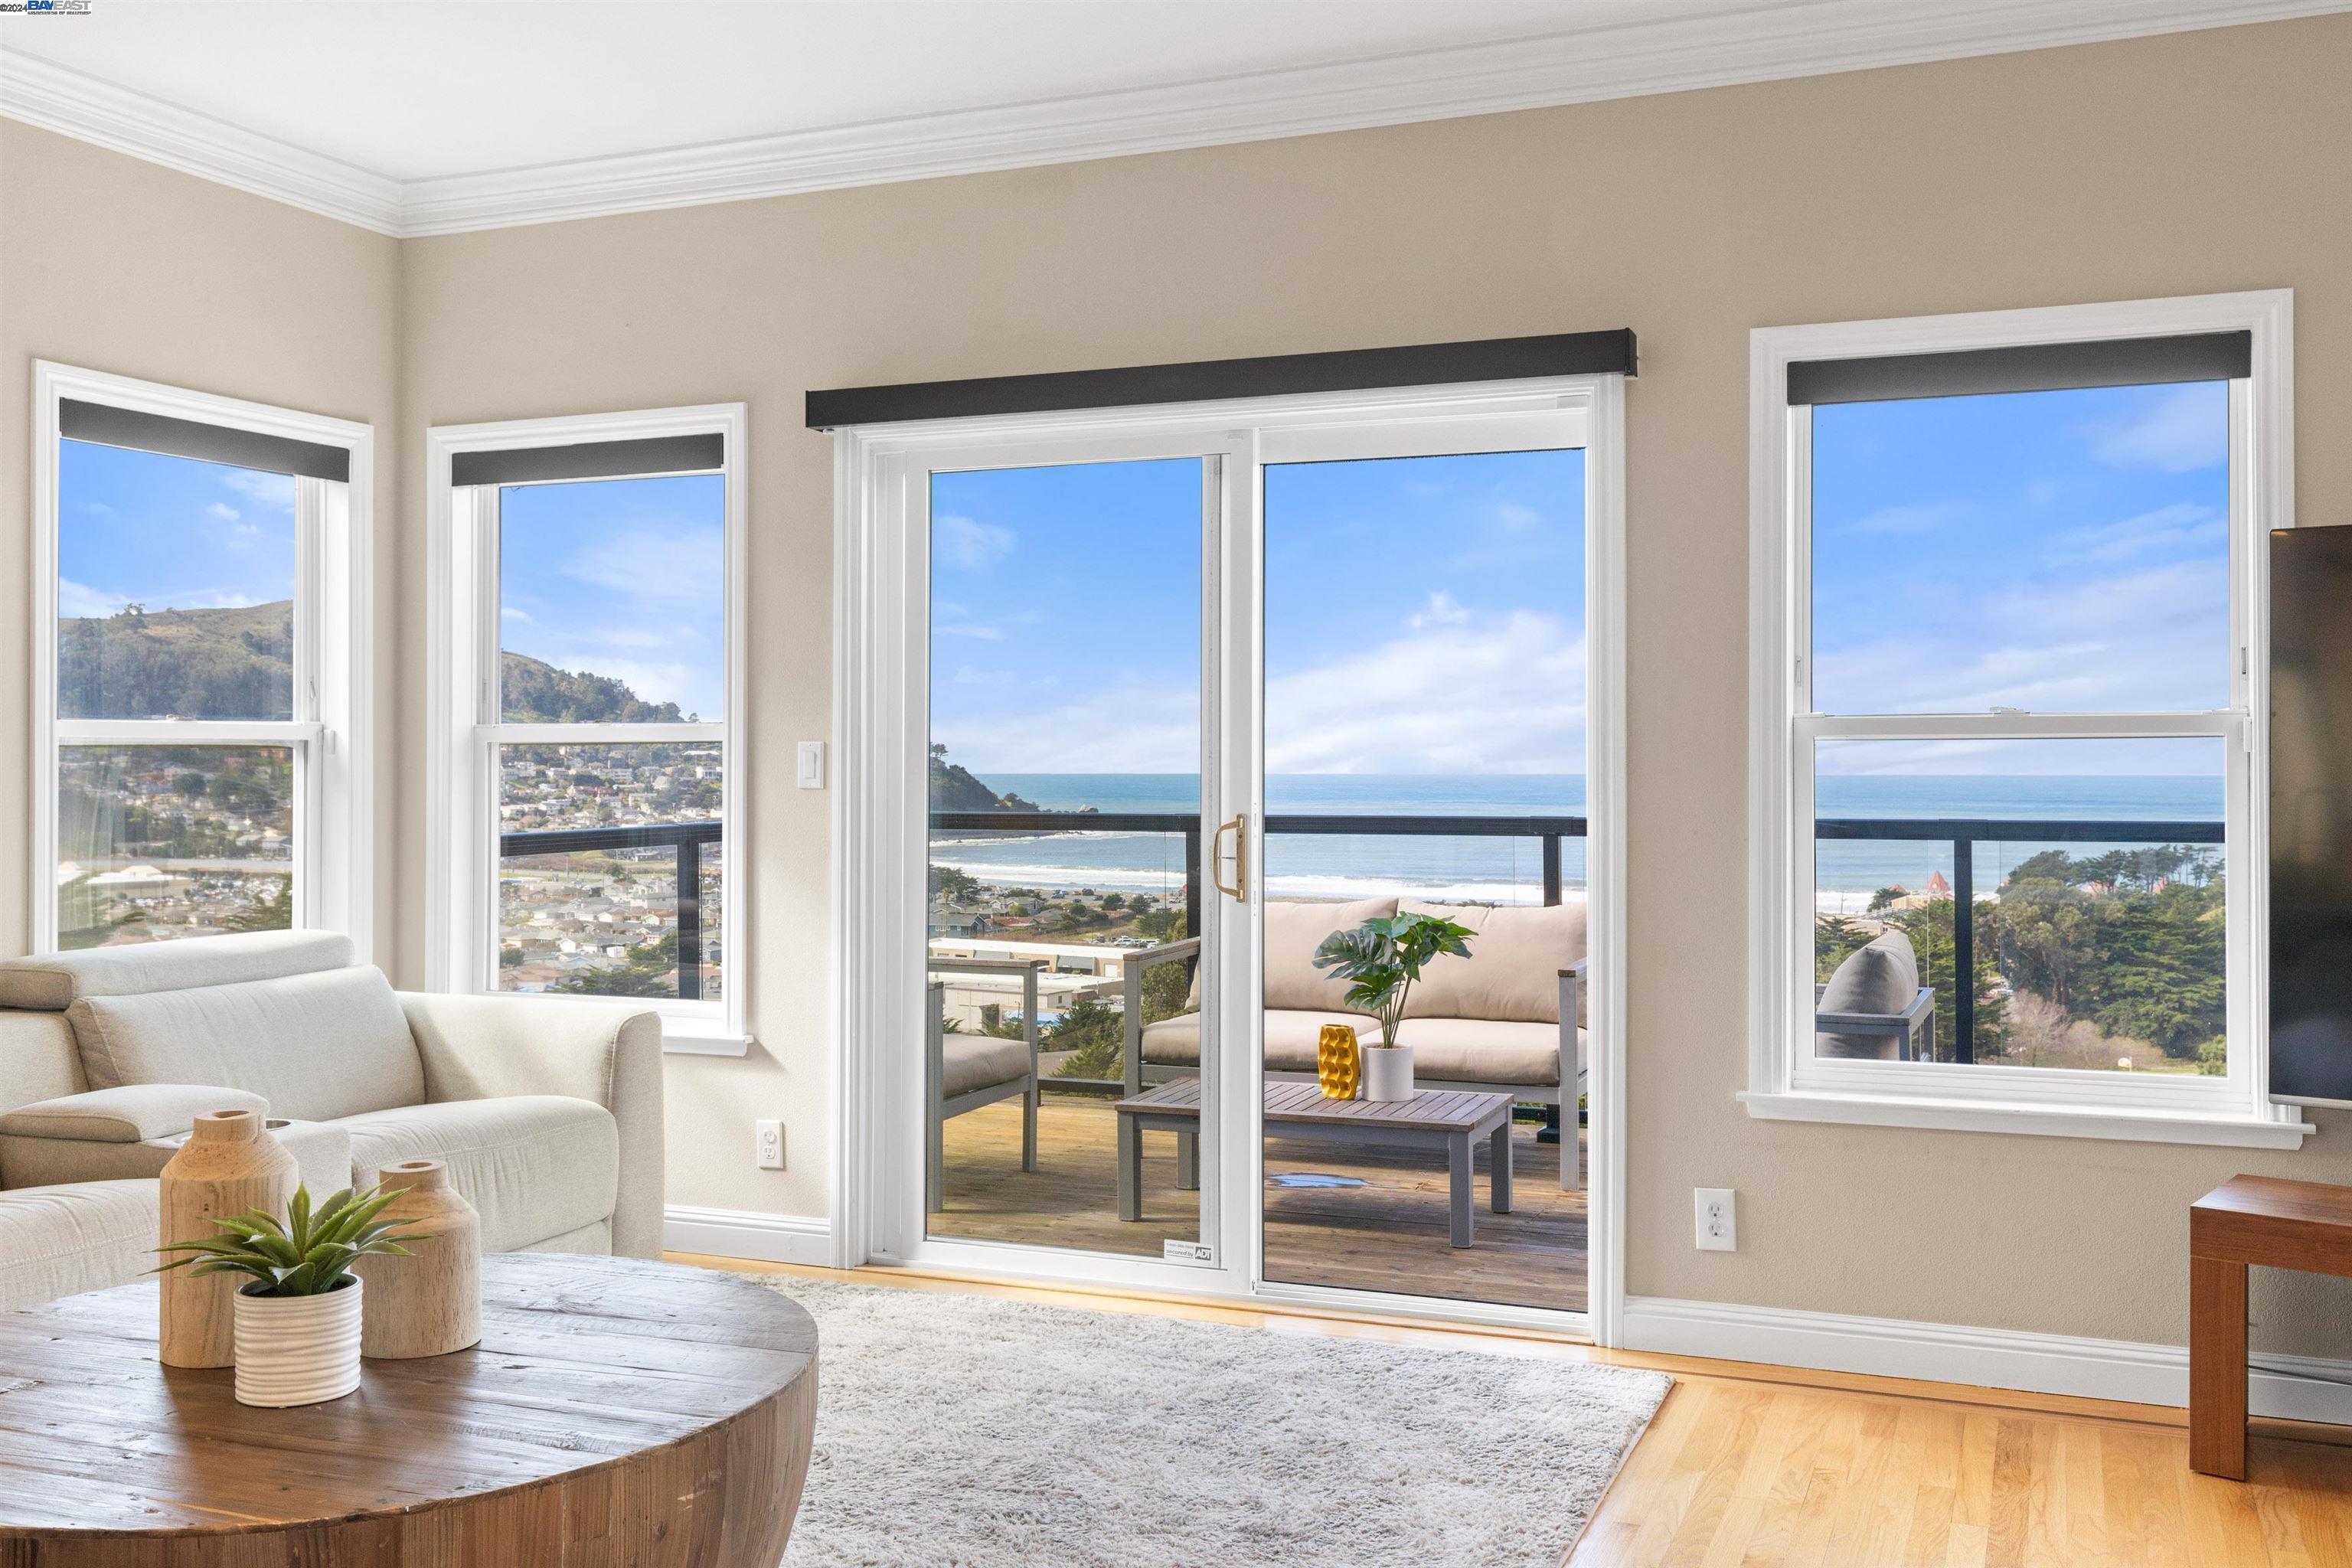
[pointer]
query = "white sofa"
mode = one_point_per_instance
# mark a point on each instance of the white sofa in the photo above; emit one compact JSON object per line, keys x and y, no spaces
{"x":1508,"y":1019}
{"x":548,"y":1111}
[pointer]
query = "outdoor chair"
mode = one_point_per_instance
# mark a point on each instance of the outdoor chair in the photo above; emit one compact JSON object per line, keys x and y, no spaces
{"x":1873,"y":1006}
{"x":968,"y":1071}
{"x":1509,"y":1019}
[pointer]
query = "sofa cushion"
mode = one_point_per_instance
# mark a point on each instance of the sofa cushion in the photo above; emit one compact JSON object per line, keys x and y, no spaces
{"x":55,"y":981}
{"x":1290,"y":1037}
{"x":1512,"y":975}
{"x":1294,"y":930}
{"x":1882,"y":977}
{"x":1483,"y":1051}
{"x":61,"y":1241}
{"x":318,"y":1047}
{"x":534,"y":1165}
{"x":968,"y":1062}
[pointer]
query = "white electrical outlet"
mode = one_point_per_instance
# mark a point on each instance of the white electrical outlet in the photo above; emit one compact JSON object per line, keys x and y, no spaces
{"x":1718,"y":1219}
{"x":768,"y":1144}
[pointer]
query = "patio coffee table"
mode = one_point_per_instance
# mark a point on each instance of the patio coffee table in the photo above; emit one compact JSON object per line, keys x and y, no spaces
{"x":1438,"y":1119}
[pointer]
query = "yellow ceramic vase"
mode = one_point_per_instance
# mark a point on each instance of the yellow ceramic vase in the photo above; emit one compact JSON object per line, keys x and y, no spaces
{"x":1338,"y":1067}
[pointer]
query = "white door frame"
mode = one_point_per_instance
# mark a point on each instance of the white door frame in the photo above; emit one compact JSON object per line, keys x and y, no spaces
{"x":881,"y":740}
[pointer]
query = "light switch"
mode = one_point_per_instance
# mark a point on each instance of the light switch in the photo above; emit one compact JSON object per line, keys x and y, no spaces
{"x":812,"y":764}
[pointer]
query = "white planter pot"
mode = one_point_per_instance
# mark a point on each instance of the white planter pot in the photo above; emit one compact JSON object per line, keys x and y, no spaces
{"x":1388,"y":1072}
{"x":298,"y":1350}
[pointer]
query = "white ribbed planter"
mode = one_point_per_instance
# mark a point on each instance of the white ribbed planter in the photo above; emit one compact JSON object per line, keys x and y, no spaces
{"x":1388,"y":1072}
{"x":298,"y":1350}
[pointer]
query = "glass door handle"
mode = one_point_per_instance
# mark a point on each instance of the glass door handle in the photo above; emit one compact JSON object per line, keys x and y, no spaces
{"x":1239,"y":828}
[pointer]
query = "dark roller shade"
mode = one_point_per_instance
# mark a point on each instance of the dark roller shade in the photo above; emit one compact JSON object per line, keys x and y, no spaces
{"x":1203,"y":381}
{"x":2029,"y":367}
{"x":2311,"y":816}
{"x":104,"y":424}
{"x":591,"y":460}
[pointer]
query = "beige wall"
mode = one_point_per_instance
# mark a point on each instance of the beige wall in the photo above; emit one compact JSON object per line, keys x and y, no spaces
{"x":2198,"y":163}
{"x":110,"y":264}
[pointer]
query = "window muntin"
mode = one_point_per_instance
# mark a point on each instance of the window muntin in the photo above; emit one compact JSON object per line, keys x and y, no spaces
{"x":2055,"y":552}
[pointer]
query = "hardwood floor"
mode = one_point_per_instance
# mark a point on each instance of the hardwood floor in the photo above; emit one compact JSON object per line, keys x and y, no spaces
{"x":1387,"y":1234}
{"x":1763,"y":1465}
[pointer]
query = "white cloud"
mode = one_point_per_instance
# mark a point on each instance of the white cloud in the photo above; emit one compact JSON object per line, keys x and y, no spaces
{"x":1475,"y":694}
{"x":1913,"y":517}
{"x":96,"y":508}
{"x":974,"y":546}
{"x":262,"y":490}
{"x":1127,"y":728}
{"x":220,"y":512}
{"x":76,"y":601}
{"x":667,"y":566}
{"x":1514,"y":517}
{"x":521,"y":617}
{"x":1444,"y":611}
{"x":2181,"y":525}
{"x":2149,"y":640}
{"x":2188,"y":428}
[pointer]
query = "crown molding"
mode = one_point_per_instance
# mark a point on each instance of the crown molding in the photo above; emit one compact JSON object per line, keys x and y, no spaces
{"x":1812,"y":37}
{"x":89,"y":110}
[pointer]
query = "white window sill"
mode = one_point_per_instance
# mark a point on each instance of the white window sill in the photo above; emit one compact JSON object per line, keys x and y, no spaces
{"x":2048,"y":1122}
{"x":694,"y":1038}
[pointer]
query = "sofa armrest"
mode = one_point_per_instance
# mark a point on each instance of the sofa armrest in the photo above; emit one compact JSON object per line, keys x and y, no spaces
{"x":131,"y":1133}
{"x":130,"y":1114}
{"x":487,"y":1047}
{"x":1131,"y":1025}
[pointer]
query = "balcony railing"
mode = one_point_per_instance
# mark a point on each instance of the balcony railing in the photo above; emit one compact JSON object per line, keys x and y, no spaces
{"x":684,"y":839}
{"x":1964,"y":833}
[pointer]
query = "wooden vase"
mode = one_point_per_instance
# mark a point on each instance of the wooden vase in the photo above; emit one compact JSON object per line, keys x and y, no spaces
{"x":430,"y":1302}
{"x":230,"y":1165}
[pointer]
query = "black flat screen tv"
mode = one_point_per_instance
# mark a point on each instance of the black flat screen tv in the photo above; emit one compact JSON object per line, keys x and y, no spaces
{"x":2311,"y":817}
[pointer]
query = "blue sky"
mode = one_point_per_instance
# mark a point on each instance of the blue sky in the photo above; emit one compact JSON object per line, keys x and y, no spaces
{"x":2058,"y":551}
{"x":622,"y":578}
{"x":1422,"y":615}
{"x":168,"y":532}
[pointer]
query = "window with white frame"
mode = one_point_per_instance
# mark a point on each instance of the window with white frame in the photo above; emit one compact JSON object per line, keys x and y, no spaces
{"x":201,"y":615}
{"x":588,"y":686}
{"x":2008,"y":664}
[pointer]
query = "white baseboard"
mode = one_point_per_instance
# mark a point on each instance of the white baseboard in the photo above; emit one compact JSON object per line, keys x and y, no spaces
{"x":2306,"y":1388}
{"x":745,"y":1233}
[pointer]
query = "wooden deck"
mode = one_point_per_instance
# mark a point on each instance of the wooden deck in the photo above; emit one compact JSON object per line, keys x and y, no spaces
{"x":1388,"y":1234}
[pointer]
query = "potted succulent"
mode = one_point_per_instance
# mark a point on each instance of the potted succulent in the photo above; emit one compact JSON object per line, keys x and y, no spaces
{"x":297,"y":1322}
{"x":1382,"y":957}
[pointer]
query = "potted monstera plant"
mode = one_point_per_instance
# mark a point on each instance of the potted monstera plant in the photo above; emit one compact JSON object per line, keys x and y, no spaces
{"x":298,"y":1318}
{"x":1380,"y":959}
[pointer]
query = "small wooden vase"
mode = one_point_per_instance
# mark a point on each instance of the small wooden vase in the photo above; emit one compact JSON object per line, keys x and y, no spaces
{"x":429,"y":1303}
{"x":1338,"y":1064}
{"x":231,"y":1164}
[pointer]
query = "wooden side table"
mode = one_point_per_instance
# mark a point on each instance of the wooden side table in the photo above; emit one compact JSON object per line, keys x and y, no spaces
{"x":2247,"y":1220}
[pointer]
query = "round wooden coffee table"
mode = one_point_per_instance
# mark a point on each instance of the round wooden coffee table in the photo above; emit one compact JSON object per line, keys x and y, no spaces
{"x":616,"y":1411}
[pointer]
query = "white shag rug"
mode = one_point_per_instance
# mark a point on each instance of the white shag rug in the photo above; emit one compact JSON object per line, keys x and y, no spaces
{"x":959,"y":1431}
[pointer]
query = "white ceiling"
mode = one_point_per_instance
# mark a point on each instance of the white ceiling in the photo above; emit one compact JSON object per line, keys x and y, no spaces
{"x":417,"y":116}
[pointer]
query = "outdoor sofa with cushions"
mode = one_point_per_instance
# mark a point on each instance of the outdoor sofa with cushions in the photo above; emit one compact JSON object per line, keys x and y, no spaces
{"x":1873,"y":1007}
{"x":547,"y":1110}
{"x":1508,"y":1019}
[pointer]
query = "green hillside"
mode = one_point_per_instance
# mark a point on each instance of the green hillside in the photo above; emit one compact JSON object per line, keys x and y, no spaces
{"x":953,"y":788}
{"x":237,"y":663}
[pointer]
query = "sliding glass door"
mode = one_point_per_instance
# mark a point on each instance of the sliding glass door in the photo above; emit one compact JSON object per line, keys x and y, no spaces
{"x":1064,"y":967}
{"x":1178,"y":701}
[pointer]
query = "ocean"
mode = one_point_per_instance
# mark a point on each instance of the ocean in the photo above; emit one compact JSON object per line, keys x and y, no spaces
{"x":1511,"y":871}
